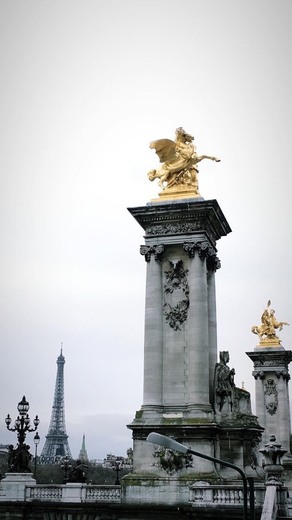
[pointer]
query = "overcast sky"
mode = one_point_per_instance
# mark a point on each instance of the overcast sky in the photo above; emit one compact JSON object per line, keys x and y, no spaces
{"x":85,"y":86}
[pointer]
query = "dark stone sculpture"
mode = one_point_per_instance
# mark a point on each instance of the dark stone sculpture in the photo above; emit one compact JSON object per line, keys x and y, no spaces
{"x":77,"y":474}
{"x":19,"y":458}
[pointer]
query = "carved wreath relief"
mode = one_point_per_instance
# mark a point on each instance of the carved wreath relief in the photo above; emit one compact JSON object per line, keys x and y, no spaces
{"x":271,"y":395}
{"x":172,"y":461}
{"x":176,"y":295}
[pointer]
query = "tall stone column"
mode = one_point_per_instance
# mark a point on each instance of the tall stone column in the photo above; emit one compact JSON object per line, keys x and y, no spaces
{"x":180,"y":337}
{"x":272,"y":395}
{"x":153,"y":344}
{"x":198,"y":337}
{"x":213,"y":264}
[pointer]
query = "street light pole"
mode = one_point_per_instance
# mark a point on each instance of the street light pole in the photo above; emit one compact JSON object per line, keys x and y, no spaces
{"x":167,"y":442}
{"x":117,"y":467}
{"x":22,"y":423}
{"x":36,"y":440}
{"x":66,"y":467}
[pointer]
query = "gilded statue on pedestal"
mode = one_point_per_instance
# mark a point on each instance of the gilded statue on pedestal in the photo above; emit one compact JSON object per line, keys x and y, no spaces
{"x":179,"y":171}
{"x":267,"y":330}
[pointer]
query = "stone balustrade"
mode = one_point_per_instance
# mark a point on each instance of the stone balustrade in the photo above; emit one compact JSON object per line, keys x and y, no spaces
{"x":45,"y":492}
{"x":73,"y":493}
{"x":222,"y":495}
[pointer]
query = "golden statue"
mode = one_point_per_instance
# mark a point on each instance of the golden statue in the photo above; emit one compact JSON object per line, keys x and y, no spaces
{"x":267,"y":330}
{"x":178,"y":175}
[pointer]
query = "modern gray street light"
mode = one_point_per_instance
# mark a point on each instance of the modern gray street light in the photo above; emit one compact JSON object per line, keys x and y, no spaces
{"x":167,"y":442}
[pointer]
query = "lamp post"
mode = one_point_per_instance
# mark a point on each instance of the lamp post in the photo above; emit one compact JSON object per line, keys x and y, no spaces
{"x":118,"y":465}
{"x":36,"y":440}
{"x":66,"y":467}
{"x":166,"y":442}
{"x":22,"y":423}
{"x":19,"y":458}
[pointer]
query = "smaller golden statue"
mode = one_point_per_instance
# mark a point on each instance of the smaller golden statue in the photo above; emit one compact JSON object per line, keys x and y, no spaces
{"x":267,"y":330}
{"x":178,"y":175}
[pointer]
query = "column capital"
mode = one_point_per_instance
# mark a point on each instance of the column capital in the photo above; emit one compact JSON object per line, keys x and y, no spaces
{"x":155,"y":250}
{"x":258,"y":374}
{"x":205,"y":251}
{"x":213,"y":263}
{"x":283,"y":373}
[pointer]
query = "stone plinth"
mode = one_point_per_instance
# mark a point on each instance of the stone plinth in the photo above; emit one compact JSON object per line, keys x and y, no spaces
{"x":73,"y":492}
{"x":13,"y":486}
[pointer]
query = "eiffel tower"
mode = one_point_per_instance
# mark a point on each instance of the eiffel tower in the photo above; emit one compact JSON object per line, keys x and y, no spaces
{"x":56,"y":445}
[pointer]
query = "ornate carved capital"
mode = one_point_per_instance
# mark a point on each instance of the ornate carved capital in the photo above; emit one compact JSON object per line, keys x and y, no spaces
{"x":282,"y":373}
{"x":213,"y":263}
{"x":258,"y":374}
{"x":205,"y":251}
{"x":190,"y":248}
{"x":155,"y":250}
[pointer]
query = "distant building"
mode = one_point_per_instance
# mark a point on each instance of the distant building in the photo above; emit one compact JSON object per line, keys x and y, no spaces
{"x":111,"y":460}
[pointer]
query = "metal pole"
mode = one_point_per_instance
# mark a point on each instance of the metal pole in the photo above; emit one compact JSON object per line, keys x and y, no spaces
{"x":224,"y":463}
{"x":162,"y":440}
{"x":35,"y":460}
{"x":251,"y":498}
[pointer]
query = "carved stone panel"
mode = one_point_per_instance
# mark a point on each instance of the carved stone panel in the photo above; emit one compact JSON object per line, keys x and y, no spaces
{"x":176,"y":295}
{"x":172,"y":461}
{"x":271,"y":396}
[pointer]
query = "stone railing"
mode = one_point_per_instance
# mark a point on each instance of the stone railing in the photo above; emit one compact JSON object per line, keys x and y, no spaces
{"x":232,"y":495}
{"x":103,"y":494}
{"x":73,"y":493}
{"x":46,"y":492}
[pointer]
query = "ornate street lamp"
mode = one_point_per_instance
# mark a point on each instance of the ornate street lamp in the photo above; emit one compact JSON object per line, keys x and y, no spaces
{"x":117,"y":467}
{"x":19,"y":457}
{"x":66,"y":467}
{"x":36,"y":441}
{"x":22,"y":424}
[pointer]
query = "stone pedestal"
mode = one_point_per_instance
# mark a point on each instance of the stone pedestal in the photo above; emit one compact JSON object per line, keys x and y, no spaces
{"x":272,"y":394}
{"x":13,"y":486}
{"x":73,"y":492}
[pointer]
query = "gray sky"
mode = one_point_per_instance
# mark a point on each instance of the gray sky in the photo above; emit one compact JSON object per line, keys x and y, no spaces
{"x":85,"y":86}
